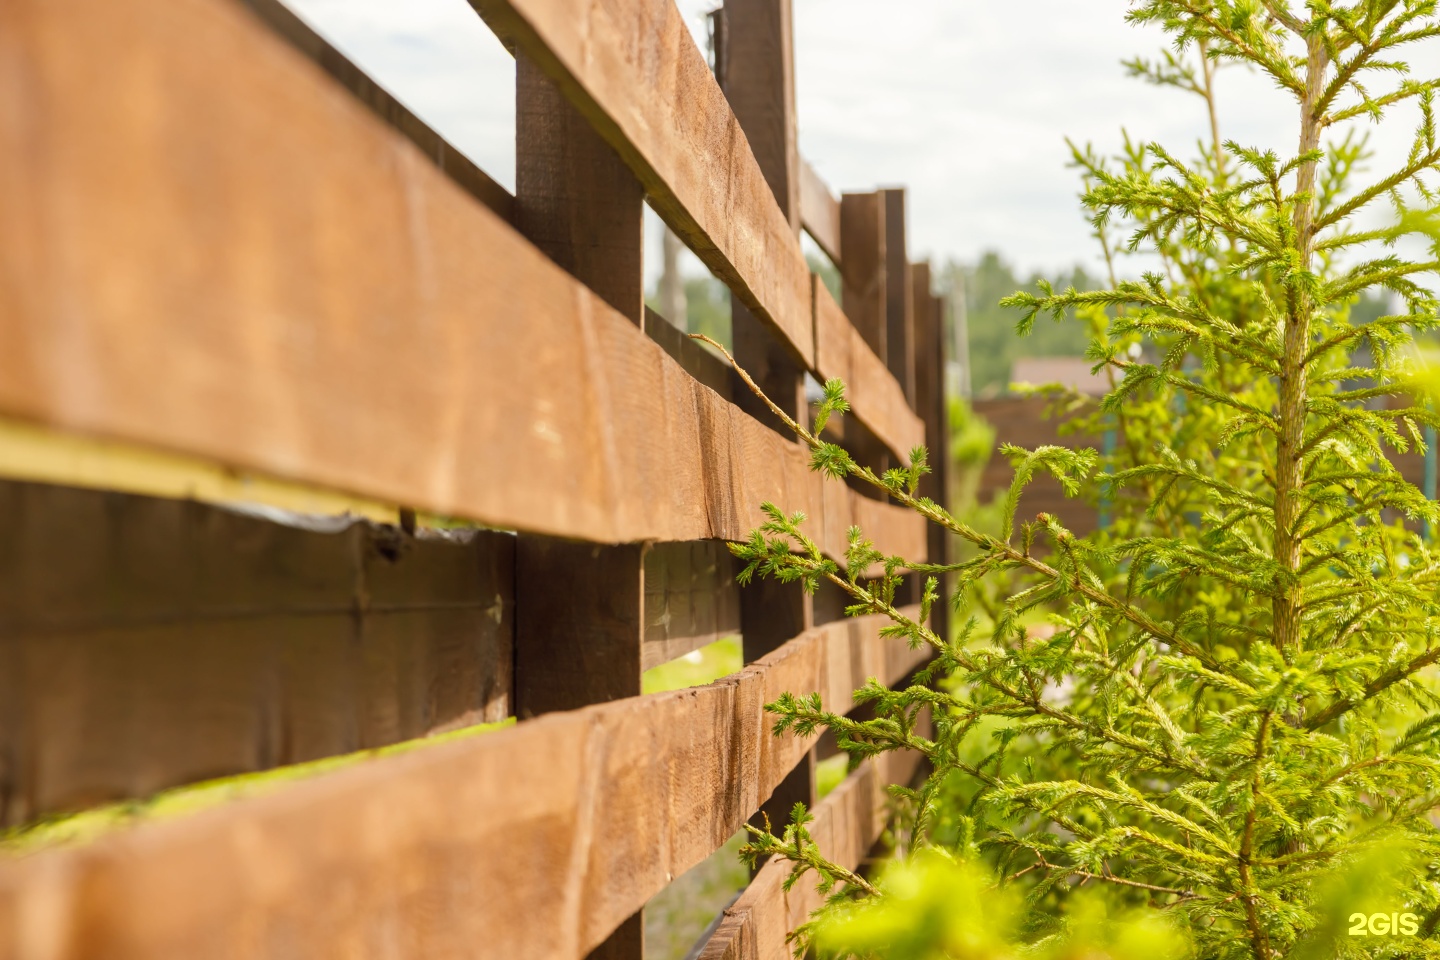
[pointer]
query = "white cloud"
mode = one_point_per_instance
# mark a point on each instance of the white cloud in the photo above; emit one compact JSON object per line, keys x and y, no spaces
{"x":440,"y":60}
{"x":966,"y":103}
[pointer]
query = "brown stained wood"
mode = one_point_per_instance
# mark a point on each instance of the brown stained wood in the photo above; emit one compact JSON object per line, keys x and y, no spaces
{"x":456,"y":165}
{"x":147,"y":643}
{"x":574,"y":198}
{"x":931,"y":403}
{"x":820,"y":212}
{"x":260,"y":315}
{"x":799,"y":786}
{"x":770,"y":613}
{"x":875,"y":395}
{"x":706,"y":367}
{"x":580,"y":607}
{"x":770,"y":365}
{"x":691,"y":598}
{"x":601,"y":806}
{"x":632,"y":68}
{"x":847,"y":824}
{"x":626,"y":943}
{"x":759,"y":84}
{"x":868,"y":515}
{"x":899,"y":307}
{"x":862,"y":271}
{"x":579,"y":623}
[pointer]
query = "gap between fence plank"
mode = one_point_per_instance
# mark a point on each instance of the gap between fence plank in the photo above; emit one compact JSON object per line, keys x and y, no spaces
{"x":841,"y":352}
{"x":847,"y":824}
{"x":267,"y":321}
{"x":671,"y":122}
{"x":456,"y":165}
{"x":538,"y":841}
{"x":820,"y":212}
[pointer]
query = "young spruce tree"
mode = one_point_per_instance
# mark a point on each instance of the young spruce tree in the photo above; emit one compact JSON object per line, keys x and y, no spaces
{"x":1233,"y":727}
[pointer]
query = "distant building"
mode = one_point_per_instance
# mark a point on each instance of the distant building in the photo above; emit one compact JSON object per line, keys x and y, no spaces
{"x":1072,"y":372}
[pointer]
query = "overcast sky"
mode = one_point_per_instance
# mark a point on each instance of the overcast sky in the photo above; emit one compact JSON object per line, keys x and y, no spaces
{"x":966,"y":103}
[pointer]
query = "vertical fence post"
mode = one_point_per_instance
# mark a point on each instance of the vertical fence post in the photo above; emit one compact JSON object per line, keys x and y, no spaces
{"x":579,"y":610}
{"x":930,"y":405}
{"x":862,"y":266}
{"x":756,"y":65}
{"x":864,"y":296}
{"x":575,"y":198}
{"x":900,"y":353}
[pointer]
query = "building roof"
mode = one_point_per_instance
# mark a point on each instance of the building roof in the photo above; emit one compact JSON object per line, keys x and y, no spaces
{"x":1072,"y":372}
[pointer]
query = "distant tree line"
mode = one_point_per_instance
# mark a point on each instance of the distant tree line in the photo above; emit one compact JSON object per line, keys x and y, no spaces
{"x":994,"y":343}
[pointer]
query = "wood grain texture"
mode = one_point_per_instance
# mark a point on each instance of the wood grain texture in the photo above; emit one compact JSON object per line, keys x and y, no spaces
{"x":147,"y":643}
{"x":579,"y":623}
{"x":847,"y":824}
{"x":931,"y":403}
{"x":862,"y":272}
{"x":626,"y":943}
{"x":758,"y":78}
{"x":707,"y":367}
{"x":184,"y":264}
{"x":633,"y":69}
{"x":537,"y":841}
{"x":757,"y":75}
{"x":456,"y":165}
{"x":574,"y":198}
{"x":691,"y":598}
{"x":899,"y":305}
{"x":820,"y":212}
{"x":770,"y":364}
{"x":879,"y":403}
{"x":771,"y":613}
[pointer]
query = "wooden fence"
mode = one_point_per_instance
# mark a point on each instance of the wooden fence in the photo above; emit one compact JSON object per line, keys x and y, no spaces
{"x":220,"y":240}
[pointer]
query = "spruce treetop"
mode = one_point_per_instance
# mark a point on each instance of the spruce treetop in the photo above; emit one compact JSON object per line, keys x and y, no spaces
{"x":1221,"y":706}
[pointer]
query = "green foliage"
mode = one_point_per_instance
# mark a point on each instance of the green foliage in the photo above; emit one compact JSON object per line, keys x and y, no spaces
{"x":89,"y":825}
{"x":934,"y":905}
{"x":1216,"y":718}
{"x":827,"y":273}
{"x":709,"y":663}
{"x":707,"y":307}
{"x":994,"y":342}
{"x":971,"y":437}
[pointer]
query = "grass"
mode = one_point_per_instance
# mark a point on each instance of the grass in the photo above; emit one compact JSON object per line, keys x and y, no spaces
{"x":709,"y":663}
{"x":87,"y":825}
{"x":705,"y":665}
{"x":676,"y":917}
{"x":830,"y":773}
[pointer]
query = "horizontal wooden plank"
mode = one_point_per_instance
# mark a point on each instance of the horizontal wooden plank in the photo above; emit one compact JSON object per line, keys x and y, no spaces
{"x":456,"y":165}
{"x":702,"y":364}
{"x":34,"y":452}
{"x":820,"y":212}
{"x":633,"y":69}
{"x":204,"y":642}
{"x":875,"y":395}
{"x":411,"y":348}
{"x":536,"y":841}
{"x":147,"y":643}
{"x":848,"y":822}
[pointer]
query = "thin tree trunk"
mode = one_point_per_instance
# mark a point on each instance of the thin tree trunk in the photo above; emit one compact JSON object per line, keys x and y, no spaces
{"x":1292,"y":376}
